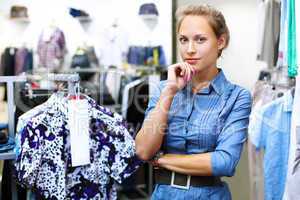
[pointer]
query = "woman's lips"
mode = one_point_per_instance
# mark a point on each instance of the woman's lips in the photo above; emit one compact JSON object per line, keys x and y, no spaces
{"x":192,"y":61}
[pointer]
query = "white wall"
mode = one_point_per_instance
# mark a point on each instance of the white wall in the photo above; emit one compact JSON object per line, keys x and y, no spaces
{"x":102,"y":12}
{"x":239,"y":59}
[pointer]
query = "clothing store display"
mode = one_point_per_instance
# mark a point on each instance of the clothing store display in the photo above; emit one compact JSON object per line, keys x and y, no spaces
{"x":44,"y":164}
{"x":269,"y":129}
{"x":3,"y":126}
{"x":18,"y":11}
{"x":291,"y":193}
{"x":16,"y":60}
{"x":292,"y":43}
{"x":23,"y":60}
{"x":269,"y":19}
{"x":213,"y":120}
{"x":150,"y":56}
{"x":113,"y":46}
{"x":90,"y":51}
{"x":134,"y":103}
{"x":80,"y":60}
{"x":283,"y":38}
{"x":293,"y":180}
{"x":77,"y":13}
{"x":148,"y":9}
{"x":9,"y":145}
{"x":51,"y":47}
{"x":3,"y":137}
{"x":8,"y":61}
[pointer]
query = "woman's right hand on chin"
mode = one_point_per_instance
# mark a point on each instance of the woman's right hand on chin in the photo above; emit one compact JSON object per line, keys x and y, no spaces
{"x":179,"y":75}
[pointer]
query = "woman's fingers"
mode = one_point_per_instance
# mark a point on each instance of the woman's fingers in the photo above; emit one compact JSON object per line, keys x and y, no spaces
{"x":183,"y":71}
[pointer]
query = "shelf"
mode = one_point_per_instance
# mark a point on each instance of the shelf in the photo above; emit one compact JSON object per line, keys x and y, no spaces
{"x":10,"y":155}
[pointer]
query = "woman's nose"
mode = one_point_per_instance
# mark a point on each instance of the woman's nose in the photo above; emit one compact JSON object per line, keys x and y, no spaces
{"x":191,"y":47}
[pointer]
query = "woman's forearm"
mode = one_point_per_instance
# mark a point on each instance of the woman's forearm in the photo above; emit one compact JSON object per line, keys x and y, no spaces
{"x":150,"y":137}
{"x":195,"y":164}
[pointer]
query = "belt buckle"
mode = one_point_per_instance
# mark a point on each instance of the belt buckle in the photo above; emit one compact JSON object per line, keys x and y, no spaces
{"x":185,"y":187}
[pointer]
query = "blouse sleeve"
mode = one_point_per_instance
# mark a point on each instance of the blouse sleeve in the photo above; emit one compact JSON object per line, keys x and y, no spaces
{"x":154,"y":97}
{"x":123,"y":161}
{"x":230,"y":141}
{"x":27,"y":162}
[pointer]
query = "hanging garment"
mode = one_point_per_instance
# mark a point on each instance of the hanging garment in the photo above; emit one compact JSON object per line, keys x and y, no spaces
{"x":293,"y":177}
{"x":292,"y":43}
{"x":113,"y":47}
{"x":269,"y":13}
{"x":9,"y":61}
{"x":269,"y":129}
{"x":51,"y":48}
{"x":293,"y":180}
{"x":23,"y":60}
{"x":282,"y":49}
{"x":262,"y":94}
{"x":44,"y":160}
{"x":134,"y":103}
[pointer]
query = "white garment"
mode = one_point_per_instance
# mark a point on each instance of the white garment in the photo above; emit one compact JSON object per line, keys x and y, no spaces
{"x":292,"y":193}
{"x":269,"y":18}
{"x":113,"y":47}
{"x":113,"y":83}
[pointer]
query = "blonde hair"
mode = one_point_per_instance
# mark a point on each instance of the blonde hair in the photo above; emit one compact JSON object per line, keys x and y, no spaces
{"x":215,"y":19}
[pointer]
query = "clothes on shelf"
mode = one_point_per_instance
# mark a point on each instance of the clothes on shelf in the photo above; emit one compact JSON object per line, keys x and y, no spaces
{"x":43,"y":155}
{"x":149,"y":56}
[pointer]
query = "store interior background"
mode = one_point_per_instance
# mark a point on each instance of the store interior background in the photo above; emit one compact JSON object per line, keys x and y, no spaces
{"x":238,"y":60}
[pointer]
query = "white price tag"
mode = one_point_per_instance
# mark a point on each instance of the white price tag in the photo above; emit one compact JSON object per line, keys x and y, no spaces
{"x":79,"y":131}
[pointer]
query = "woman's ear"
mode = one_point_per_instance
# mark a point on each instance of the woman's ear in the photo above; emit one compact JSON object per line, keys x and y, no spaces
{"x":221,"y":42}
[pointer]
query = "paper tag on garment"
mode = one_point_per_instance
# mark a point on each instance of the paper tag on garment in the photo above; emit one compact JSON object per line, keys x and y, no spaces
{"x":78,"y":117}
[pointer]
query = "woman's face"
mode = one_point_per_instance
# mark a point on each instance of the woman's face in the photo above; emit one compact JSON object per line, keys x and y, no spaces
{"x":198,"y":43}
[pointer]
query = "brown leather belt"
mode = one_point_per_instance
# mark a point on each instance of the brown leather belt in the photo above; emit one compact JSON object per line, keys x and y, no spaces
{"x":167,"y":177}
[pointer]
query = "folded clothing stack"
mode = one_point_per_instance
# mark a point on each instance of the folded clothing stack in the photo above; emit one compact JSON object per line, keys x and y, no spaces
{"x":3,"y":138}
{"x":6,"y":143}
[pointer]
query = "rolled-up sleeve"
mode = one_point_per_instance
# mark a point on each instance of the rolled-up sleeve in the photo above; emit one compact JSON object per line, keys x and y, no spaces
{"x":154,"y":97}
{"x":230,"y":141}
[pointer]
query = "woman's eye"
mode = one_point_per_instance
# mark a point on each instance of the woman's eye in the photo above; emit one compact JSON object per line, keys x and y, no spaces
{"x":200,"y":39}
{"x":182,"y":40}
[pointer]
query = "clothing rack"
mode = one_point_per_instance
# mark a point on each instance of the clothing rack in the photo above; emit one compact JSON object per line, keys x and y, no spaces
{"x":10,"y":155}
{"x":10,"y":80}
{"x":72,"y":79}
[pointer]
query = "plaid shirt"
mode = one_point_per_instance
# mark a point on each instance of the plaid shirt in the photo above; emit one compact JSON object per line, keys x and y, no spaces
{"x":51,"y":52}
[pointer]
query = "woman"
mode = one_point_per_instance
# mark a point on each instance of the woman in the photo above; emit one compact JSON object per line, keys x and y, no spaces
{"x":197,"y":118}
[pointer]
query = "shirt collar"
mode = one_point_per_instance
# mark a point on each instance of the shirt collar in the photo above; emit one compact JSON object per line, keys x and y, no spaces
{"x":288,"y":102}
{"x":218,"y":84}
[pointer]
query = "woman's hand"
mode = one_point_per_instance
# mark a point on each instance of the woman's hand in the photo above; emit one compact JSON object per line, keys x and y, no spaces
{"x":179,"y":75}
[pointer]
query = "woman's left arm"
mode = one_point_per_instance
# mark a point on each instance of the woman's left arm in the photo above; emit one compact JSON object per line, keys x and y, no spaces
{"x":223,"y":160}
